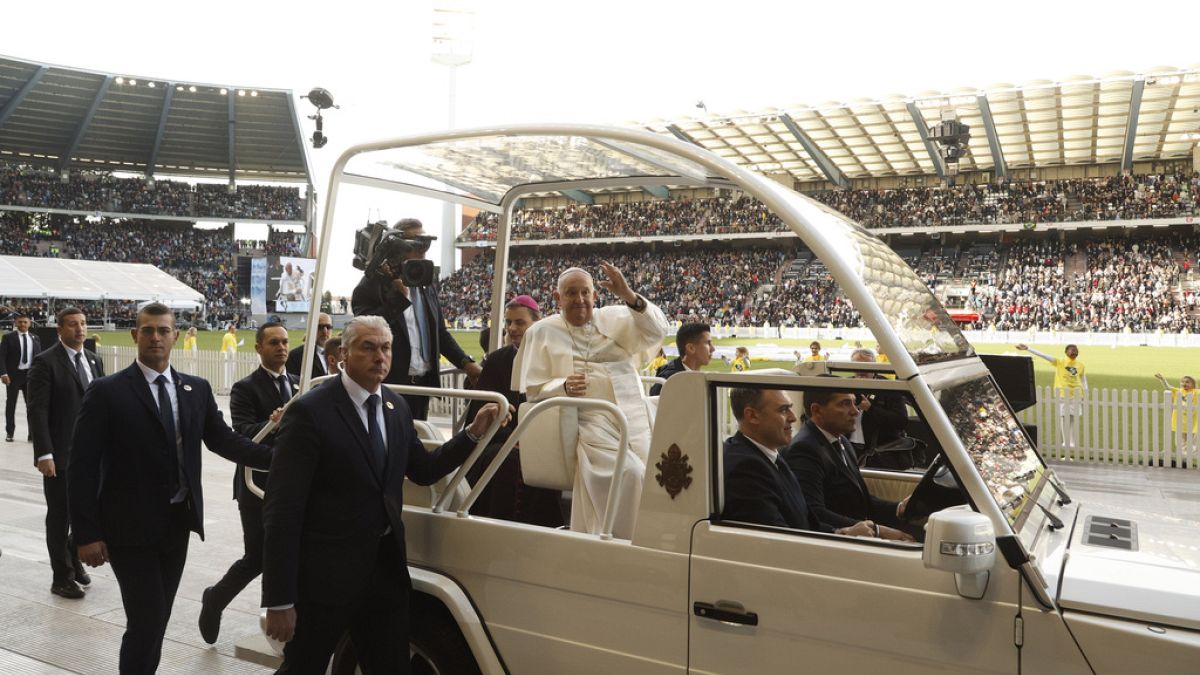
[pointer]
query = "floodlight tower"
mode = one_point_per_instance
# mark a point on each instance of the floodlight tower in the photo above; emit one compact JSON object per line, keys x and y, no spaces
{"x":453,"y":46}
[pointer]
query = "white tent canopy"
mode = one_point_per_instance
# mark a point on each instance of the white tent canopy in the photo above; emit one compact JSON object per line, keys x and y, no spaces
{"x":22,"y":277}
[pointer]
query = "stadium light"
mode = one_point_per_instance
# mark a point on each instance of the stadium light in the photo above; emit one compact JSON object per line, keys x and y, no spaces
{"x":150,"y":84}
{"x":133,"y":82}
{"x":192,"y":88}
{"x":120,"y":80}
{"x":254,"y":93}
{"x":224,"y":91}
{"x":241,"y":92}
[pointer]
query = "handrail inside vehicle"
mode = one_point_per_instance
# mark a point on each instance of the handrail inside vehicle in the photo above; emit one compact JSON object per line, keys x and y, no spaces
{"x":541,"y":406}
{"x":488,"y":396}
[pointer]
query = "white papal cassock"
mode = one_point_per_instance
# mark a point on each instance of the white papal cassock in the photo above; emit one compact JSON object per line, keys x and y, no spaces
{"x":610,"y":350}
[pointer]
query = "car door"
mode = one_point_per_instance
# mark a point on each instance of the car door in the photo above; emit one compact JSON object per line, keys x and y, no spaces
{"x":788,"y":601}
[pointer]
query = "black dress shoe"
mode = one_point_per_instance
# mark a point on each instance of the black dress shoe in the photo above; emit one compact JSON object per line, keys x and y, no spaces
{"x":8,"y":438}
{"x":210,"y":618}
{"x":81,"y":577}
{"x":67,"y":590}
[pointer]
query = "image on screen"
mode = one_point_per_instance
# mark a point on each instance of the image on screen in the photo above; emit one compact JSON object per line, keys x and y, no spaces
{"x":290,"y":283}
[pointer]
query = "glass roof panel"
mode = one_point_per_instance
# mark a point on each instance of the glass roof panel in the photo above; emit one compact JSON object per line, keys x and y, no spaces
{"x":488,"y":167}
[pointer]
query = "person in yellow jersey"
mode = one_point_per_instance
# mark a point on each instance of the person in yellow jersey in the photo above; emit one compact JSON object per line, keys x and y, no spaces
{"x":1183,"y":410}
{"x":659,"y":361}
{"x":189,"y":343}
{"x":882,"y":357}
{"x":229,"y":347}
{"x":815,"y":353}
{"x":1070,"y":384}
{"x":741,"y":360}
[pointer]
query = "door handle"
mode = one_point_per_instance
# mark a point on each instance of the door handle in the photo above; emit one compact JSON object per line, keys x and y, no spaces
{"x":725,"y":611}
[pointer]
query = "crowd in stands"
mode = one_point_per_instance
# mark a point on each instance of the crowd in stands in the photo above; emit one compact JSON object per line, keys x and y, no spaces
{"x":709,"y":283}
{"x":90,"y":191}
{"x":1109,"y":284}
{"x":203,"y":259}
{"x":1127,"y":197}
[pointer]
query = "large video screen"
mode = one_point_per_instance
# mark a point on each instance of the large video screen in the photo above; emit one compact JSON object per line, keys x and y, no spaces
{"x":290,"y":283}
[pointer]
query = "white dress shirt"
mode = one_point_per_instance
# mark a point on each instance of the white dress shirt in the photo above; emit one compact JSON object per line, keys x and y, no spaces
{"x":416,"y":360}
{"x":87,"y":368}
{"x":25,"y":344}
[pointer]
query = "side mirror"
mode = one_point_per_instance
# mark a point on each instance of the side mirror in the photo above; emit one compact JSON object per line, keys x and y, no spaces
{"x":963,"y":542}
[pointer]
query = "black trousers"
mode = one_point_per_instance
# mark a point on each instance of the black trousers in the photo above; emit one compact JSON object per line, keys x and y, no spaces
{"x":64,"y":559}
{"x":250,"y":565}
{"x":149,"y":577}
{"x":377,"y":622}
{"x":18,"y":382}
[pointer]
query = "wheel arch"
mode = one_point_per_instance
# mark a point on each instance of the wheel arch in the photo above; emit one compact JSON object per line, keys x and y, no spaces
{"x":448,"y":593}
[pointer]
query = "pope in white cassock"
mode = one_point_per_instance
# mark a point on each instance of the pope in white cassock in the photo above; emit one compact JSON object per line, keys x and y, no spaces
{"x":582,"y":351}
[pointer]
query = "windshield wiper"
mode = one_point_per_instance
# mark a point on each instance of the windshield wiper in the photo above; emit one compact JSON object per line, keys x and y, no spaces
{"x":1052,"y":479}
{"x":1055,"y":522}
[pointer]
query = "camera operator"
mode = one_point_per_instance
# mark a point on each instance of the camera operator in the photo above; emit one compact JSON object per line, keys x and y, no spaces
{"x":411,"y":309}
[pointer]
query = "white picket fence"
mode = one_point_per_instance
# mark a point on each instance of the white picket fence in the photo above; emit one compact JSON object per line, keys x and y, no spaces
{"x":222,"y":370}
{"x":1121,"y":426}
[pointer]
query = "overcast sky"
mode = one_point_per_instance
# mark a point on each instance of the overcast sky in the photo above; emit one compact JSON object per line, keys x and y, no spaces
{"x":607,"y":62}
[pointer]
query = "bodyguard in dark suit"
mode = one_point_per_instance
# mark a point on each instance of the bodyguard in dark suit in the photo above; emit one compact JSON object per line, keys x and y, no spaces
{"x":694,"y":341}
{"x":319,"y":367}
{"x":821,"y":457}
{"x":759,"y":486}
{"x":134,"y":484}
{"x":57,"y":381}
{"x":334,"y":557}
{"x":17,"y":350}
{"x":254,"y":401}
{"x":416,"y":361}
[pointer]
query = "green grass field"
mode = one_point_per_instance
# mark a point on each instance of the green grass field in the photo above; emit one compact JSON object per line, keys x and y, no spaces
{"x":1120,"y":368}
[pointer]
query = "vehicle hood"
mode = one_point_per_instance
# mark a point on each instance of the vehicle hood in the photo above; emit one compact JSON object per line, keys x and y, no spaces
{"x":1148,"y":571}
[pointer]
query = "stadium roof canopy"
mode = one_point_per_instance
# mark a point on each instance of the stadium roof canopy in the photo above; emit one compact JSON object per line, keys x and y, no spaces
{"x":75,"y":118}
{"x":28,"y":277}
{"x":1123,"y":117}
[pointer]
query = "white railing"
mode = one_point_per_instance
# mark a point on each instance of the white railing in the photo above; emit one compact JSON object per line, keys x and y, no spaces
{"x":220,"y":369}
{"x":1122,"y":426}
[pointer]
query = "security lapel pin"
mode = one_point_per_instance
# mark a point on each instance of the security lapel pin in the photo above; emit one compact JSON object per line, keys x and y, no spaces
{"x":389,"y":405}
{"x":187,"y":387}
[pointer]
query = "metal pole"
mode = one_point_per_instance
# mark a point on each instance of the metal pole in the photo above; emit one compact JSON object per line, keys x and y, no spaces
{"x":449,"y":209}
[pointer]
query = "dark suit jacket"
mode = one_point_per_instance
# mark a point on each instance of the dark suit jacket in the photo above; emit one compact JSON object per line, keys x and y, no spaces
{"x":837,"y":494}
{"x":756,"y":491}
{"x":328,"y":504}
{"x":10,"y":353}
{"x":497,"y":377}
{"x":120,"y":482}
{"x":885,"y":421}
{"x":376,"y":296}
{"x":293,"y":363}
{"x":666,"y":371}
{"x":251,"y":402}
{"x":55,"y":395}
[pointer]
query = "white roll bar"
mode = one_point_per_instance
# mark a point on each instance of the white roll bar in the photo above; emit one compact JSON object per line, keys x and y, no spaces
{"x":610,"y":514}
{"x":488,"y":396}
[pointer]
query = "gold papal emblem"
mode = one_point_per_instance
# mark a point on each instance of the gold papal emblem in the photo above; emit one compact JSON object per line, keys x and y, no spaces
{"x":673,"y":471}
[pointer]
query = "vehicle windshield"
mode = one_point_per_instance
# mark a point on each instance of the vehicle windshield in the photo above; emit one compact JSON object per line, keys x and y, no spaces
{"x":996,"y":443}
{"x":918,"y":318}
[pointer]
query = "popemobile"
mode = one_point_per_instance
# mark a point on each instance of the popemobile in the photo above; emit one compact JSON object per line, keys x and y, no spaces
{"x":1014,"y":576}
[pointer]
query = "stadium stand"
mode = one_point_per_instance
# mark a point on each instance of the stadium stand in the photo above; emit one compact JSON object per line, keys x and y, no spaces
{"x":93,"y":191}
{"x":202,"y":259}
{"x":1124,"y":282}
{"x":1127,"y":197}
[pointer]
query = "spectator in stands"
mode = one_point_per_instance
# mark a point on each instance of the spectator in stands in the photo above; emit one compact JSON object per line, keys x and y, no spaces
{"x":694,"y":341}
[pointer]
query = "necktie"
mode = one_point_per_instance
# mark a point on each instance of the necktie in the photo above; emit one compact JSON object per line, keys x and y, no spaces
{"x":321,"y":361}
{"x":285,"y":390}
{"x":24,"y":348}
{"x":81,"y":370}
{"x":426,"y":346}
{"x":167,"y":416}
{"x":378,"y":446}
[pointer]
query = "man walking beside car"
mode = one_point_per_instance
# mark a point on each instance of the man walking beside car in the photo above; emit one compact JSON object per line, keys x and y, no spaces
{"x":57,"y":381}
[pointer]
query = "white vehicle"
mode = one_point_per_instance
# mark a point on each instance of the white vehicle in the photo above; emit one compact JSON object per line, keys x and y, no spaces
{"x":1013,"y":576}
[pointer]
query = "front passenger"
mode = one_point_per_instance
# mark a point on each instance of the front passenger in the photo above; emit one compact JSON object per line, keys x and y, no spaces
{"x":759,"y":486}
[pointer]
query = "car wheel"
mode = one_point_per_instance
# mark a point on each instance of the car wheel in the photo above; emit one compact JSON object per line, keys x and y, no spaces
{"x":435,"y":646}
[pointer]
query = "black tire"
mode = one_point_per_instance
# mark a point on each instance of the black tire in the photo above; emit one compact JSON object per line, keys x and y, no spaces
{"x":436,"y":645}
